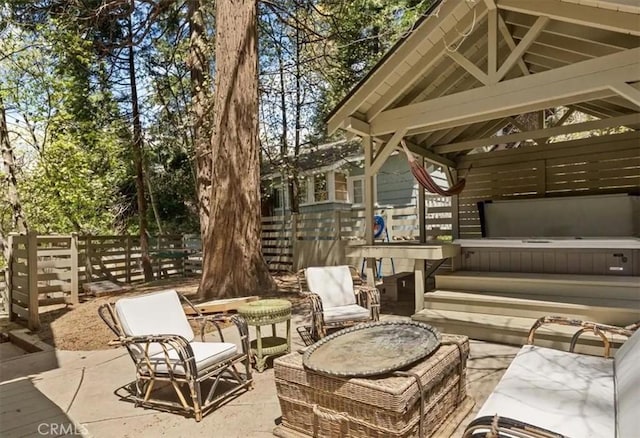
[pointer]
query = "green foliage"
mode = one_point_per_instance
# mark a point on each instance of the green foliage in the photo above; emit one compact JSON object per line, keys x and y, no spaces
{"x":66,"y":193}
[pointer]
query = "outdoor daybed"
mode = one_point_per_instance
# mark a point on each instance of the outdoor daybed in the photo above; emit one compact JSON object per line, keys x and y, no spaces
{"x":552,"y":393}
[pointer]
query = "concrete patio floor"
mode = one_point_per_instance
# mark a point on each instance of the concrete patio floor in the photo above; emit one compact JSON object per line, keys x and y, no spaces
{"x":65,"y":387}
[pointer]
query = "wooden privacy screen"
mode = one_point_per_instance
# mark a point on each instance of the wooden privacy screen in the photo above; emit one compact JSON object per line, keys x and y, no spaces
{"x":592,"y":166}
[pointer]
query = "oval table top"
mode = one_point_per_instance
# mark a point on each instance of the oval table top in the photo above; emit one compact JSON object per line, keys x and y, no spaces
{"x":372,"y":349}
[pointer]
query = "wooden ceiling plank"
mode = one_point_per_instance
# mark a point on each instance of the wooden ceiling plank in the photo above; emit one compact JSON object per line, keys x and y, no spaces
{"x":427,"y":61}
{"x":617,"y":21}
{"x":596,"y":37}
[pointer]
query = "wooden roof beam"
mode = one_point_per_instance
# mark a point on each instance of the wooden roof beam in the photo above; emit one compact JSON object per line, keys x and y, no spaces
{"x":381,"y":72}
{"x":506,"y":35}
{"x":564,"y":86}
{"x":426,"y":62}
{"x":617,"y":21}
{"x":628,"y":92}
{"x":630,"y":119}
{"x":522,"y":47}
{"x":385,"y":152}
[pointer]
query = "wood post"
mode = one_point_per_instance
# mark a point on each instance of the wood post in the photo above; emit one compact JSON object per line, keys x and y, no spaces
{"x":127,"y":259}
{"x":73,"y":246}
{"x":293,"y":242}
{"x":9,"y":276}
{"x":158,"y":260}
{"x":88,"y":261}
{"x":32,"y":280}
{"x":422,"y":212}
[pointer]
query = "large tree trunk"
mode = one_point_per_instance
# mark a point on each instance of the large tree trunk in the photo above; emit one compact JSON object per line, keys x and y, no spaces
{"x":199,"y":68}
{"x":233,"y":264}
{"x":137,"y":162}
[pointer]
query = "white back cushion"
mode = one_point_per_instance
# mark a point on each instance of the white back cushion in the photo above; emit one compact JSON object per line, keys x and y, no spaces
{"x":155,"y":314}
{"x":627,"y":376}
{"x":333,"y":283}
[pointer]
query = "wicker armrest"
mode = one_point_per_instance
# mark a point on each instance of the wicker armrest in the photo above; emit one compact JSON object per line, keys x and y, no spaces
{"x":167,"y":343}
{"x":369,"y":297}
{"x":583,"y":327}
{"x":317,"y":314}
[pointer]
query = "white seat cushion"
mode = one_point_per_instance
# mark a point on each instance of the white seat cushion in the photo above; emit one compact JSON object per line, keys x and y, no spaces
{"x":570,"y":394}
{"x":333,"y":284}
{"x":205,"y":353}
{"x":351,"y":312}
{"x":154,"y":314}
{"x":627,"y":368}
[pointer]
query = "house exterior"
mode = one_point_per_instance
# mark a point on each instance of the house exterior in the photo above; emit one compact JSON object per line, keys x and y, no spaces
{"x":332,"y":178}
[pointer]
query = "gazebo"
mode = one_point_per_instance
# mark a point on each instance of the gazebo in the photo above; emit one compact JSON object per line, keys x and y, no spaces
{"x":495,"y":86}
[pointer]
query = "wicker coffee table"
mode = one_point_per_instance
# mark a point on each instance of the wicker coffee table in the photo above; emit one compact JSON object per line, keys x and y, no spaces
{"x":267,"y":312}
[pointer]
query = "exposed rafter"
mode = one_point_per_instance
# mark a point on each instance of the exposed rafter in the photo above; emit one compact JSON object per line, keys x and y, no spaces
{"x":386,"y":151}
{"x":608,"y":19}
{"x":522,"y":46}
{"x":548,"y":132}
{"x":563,"y":86}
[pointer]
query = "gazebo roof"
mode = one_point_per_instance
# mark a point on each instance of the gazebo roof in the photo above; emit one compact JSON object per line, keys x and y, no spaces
{"x":470,"y":67}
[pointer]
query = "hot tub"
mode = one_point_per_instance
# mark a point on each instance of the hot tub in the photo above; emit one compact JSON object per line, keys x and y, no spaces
{"x":592,"y":256}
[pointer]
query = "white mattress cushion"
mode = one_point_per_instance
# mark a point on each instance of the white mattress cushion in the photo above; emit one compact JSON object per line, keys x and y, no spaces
{"x":333,"y":284}
{"x":627,"y":368}
{"x":570,"y":394}
{"x":205,"y":353}
{"x":351,"y":312}
{"x":159,"y":313}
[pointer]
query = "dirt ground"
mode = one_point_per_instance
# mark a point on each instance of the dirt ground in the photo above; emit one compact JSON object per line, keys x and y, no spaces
{"x":79,"y":327}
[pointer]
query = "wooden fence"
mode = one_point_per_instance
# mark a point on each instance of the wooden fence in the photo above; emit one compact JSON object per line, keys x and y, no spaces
{"x":45,"y":270}
{"x":283,"y":237}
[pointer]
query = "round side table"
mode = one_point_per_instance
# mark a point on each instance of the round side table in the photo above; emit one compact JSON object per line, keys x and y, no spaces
{"x":267,"y":312}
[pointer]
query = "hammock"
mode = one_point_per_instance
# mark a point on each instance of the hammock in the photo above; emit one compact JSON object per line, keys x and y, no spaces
{"x":424,"y":179}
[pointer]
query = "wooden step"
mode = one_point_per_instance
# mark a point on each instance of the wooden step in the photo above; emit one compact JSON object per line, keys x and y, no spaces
{"x":598,"y":290}
{"x":509,"y":330}
{"x":510,"y":306}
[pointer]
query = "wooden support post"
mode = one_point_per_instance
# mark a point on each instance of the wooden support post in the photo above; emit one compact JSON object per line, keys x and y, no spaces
{"x":88,"y":262}
{"x":73,"y":246}
{"x":422,"y":212}
{"x":293,"y":242}
{"x":420,"y":285}
{"x":370,"y":269}
{"x":32,"y":280}
{"x":127,"y":259}
{"x":337,"y":221}
{"x":158,"y":260}
{"x":9,"y":275}
{"x":183,"y":259}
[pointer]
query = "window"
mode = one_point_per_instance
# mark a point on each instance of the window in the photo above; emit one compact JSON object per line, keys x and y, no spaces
{"x":303,"y":190}
{"x":320,"y":192}
{"x":341,"y":187}
{"x":357,"y":193}
{"x":355,"y":187}
{"x":276,"y":197}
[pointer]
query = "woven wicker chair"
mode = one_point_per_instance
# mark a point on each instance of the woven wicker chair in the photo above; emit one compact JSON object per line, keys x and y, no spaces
{"x":160,"y":340}
{"x":339,"y":299}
